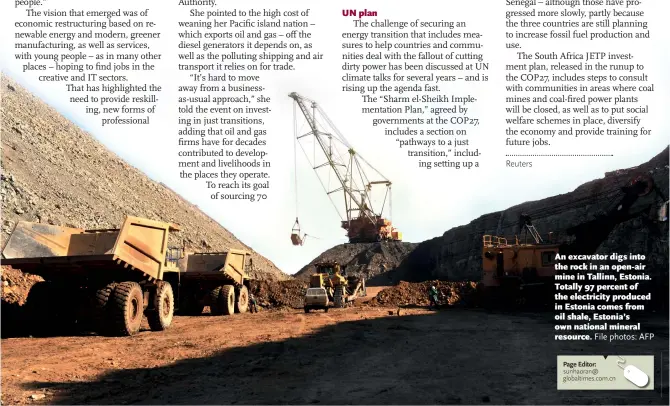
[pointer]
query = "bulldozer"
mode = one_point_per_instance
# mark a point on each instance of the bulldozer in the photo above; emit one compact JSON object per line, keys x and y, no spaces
{"x":341,"y":289}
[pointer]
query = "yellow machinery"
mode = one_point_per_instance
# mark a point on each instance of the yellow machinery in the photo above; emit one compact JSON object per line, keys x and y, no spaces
{"x":341,"y":290}
{"x":516,"y":264}
{"x":120,"y":274}
{"x":215,"y":279}
{"x":328,"y":275}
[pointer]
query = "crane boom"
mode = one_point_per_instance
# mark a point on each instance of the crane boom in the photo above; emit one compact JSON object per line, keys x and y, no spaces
{"x":362,"y":221}
{"x":318,"y":135}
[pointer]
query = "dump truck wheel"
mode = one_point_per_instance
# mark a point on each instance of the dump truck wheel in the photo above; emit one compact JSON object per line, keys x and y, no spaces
{"x":126,"y":305}
{"x":101,"y":303}
{"x":306,"y":309}
{"x":160,"y":317}
{"x":227,"y":300}
{"x":242,"y":302}
{"x":102,"y":297}
{"x":39,"y":308}
{"x":214,"y":301}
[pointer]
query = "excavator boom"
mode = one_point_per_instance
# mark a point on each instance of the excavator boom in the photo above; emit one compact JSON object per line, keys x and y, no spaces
{"x":359,"y":218}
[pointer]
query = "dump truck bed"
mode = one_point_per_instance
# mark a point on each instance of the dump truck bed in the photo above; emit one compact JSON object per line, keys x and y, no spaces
{"x":52,"y":251}
{"x":225,"y":266}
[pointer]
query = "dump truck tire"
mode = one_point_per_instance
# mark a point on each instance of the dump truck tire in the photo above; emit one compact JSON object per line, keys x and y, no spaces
{"x":126,"y":308}
{"x":101,"y":303}
{"x":215,"y":301}
{"x":102,"y":297}
{"x":227,"y":300}
{"x":40,"y":315}
{"x":160,"y":317}
{"x":242,"y":302}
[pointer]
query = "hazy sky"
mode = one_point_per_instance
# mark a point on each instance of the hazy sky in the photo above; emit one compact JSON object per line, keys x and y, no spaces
{"x":425,"y":202}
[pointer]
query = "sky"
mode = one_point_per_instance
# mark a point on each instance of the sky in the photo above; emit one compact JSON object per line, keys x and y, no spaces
{"x":426,"y":203}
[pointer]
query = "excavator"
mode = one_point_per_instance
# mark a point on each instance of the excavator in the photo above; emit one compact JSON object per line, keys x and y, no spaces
{"x":341,"y":289}
{"x":360,"y":220}
{"x":510,"y":267}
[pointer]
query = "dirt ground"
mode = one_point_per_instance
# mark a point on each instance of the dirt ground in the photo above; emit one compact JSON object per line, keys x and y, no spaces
{"x":360,"y":355}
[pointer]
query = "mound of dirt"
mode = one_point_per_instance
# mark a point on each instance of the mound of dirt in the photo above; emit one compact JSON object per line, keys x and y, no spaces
{"x":368,"y":260}
{"x":16,"y":285}
{"x":416,"y":294}
{"x":53,"y":172}
{"x":279,"y":294}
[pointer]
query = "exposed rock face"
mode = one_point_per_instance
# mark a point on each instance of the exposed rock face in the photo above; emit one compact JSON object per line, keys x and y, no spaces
{"x":53,"y":172}
{"x":456,"y":255}
{"x":363,"y":259}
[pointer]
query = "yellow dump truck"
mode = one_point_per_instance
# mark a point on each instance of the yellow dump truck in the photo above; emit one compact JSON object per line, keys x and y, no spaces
{"x":218,"y":280}
{"x":118,"y":275}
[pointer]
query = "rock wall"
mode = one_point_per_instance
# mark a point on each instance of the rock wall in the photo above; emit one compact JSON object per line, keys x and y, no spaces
{"x":53,"y":172}
{"x":363,"y":259}
{"x":456,"y":255}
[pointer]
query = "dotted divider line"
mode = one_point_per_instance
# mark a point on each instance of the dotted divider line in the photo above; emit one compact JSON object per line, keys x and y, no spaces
{"x":558,"y":155}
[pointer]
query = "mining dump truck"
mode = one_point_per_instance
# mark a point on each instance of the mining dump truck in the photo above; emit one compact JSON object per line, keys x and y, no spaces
{"x":342,"y":290}
{"x":114,"y":275}
{"x":217,"y":280}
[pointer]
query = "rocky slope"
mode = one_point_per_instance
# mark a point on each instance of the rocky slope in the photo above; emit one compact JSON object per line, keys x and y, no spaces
{"x":53,"y":172}
{"x":456,"y":255}
{"x":363,"y":259}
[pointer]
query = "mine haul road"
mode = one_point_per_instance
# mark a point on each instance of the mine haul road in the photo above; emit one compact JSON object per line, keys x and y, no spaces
{"x":360,"y":355}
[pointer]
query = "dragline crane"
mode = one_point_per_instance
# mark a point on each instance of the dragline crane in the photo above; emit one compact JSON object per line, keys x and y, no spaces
{"x":363,"y":220}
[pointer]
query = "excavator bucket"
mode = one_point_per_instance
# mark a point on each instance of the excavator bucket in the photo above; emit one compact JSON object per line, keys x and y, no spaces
{"x":296,"y":239}
{"x":295,"y":234}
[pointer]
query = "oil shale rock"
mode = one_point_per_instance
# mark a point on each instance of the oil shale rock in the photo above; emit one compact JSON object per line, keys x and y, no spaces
{"x":416,"y":294}
{"x":456,"y":255}
{"x":370,"y":260}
